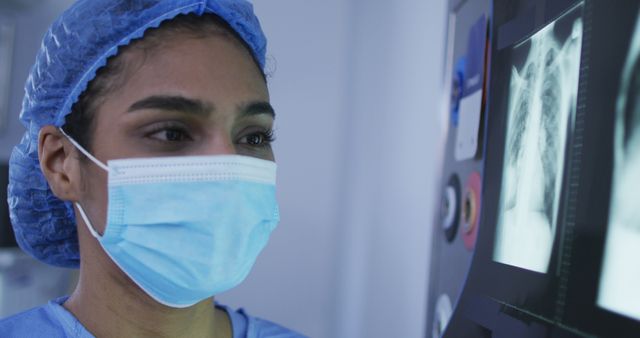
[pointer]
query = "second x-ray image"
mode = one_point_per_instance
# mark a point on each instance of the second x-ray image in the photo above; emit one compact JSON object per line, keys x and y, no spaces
{"x":542,"y":100}
{"x":620,"y":279}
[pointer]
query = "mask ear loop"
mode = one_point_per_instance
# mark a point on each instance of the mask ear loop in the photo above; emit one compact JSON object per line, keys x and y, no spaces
{"x":84,"y":151}
{"x":93,"y":232}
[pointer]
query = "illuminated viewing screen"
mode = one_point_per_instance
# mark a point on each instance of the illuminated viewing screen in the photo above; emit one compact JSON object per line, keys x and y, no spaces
{"x":542,"y":98}
{"x":620,"y":281}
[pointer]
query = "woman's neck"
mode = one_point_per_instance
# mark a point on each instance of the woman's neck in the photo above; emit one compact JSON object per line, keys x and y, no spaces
{"x":109,"y":304}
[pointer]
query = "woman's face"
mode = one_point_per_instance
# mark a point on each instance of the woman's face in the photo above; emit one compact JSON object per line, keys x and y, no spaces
{"x":189,"y":97}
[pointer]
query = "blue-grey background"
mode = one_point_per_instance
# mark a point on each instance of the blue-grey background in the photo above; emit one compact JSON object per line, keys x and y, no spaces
{"x":358,"y":89}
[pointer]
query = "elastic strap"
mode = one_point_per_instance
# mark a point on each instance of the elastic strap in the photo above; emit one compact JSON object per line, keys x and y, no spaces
{"x":87,"y":222}
{"x":85,"y":152}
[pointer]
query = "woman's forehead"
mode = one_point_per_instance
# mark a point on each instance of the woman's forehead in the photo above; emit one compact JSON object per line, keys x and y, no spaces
{"x":214,"y":64}
{"x":211,"y":74}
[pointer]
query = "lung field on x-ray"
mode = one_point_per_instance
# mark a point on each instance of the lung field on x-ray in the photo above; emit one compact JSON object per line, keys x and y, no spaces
{"x":542,"y":99}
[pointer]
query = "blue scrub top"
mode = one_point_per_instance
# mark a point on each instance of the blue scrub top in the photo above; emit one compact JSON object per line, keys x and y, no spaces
{"x":53,"y":320}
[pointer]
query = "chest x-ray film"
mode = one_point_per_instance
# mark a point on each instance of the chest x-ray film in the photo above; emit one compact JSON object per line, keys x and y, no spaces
{"x":542,"y":100}
{"x":620,"y":280}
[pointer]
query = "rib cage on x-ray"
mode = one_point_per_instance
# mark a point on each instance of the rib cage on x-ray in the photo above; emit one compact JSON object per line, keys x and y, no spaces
{"x":542,"y":98}
{"x":546,"y":127}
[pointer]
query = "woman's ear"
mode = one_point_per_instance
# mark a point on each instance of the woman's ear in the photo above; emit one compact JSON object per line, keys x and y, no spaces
{"x":59,"y":163}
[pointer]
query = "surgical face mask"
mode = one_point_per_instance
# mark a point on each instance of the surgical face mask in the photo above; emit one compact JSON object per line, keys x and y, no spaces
{"x":186,"y":228}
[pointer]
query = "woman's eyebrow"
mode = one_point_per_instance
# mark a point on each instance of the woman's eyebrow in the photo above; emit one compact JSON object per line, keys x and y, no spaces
{"x":173,"y":103}
{"x":257,"y":108}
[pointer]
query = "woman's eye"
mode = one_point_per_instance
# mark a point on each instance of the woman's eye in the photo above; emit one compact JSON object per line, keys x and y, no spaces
{"x":170,"y":135}
{"x":255,"y":140}
{"x":258,"y":139}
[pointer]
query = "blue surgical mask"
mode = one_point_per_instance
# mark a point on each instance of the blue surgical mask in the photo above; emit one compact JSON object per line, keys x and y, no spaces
{"x":187,"y":228}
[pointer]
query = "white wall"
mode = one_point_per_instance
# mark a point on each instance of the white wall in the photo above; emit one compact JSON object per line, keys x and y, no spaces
{"x":358,"y":90}
{"x":397,"y":84}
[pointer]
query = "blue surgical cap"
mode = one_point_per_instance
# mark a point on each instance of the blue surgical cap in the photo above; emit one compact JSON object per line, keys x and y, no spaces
{"x":75,"y":47}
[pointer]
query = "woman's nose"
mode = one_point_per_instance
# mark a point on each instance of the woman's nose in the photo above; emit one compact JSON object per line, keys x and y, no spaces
{"x":221,"y":144}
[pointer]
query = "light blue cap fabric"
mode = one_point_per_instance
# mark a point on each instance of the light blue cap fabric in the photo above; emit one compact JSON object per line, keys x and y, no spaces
{"x":76,"y":46}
